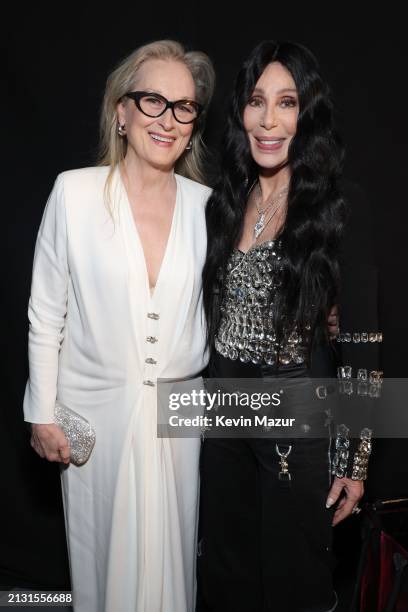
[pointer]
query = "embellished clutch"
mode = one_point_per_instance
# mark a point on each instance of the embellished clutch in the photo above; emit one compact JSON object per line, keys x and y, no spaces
{"x":78,"y":431}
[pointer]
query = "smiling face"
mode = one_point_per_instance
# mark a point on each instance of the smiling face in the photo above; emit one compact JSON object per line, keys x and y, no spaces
{"x":162,"y":140}
{"x":270,"y":116}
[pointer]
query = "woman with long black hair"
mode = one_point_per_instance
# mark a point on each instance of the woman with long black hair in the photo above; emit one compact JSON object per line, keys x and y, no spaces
{"x":271,"y":279}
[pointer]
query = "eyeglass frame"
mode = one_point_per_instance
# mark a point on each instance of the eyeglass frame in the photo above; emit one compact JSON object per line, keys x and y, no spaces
{"x":137,"y":95}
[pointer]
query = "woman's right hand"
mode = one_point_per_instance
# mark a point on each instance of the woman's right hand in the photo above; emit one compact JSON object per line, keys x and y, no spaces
{"x":49,"y":441}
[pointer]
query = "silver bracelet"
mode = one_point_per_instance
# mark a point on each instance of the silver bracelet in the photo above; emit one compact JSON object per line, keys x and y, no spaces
{"x":357,"y":337}
{"x":368,"y":383}
{"x":341,"y":454}
{"x":362,"y":455}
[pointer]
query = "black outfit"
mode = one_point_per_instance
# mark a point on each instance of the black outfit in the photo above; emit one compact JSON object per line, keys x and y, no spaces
{"x":264,"y":544}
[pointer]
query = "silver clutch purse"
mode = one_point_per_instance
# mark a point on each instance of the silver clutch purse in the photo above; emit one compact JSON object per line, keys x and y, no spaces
{"x":78,"y":431}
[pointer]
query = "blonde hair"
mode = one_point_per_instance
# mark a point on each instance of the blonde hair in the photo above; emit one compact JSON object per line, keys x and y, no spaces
{"x":113,"y":147}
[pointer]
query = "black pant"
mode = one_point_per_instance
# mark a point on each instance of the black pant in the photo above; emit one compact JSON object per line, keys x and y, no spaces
{"x":264,"y":546}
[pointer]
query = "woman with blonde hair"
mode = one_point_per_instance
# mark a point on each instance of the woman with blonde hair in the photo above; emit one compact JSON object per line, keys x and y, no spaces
{"x":116,"y":303}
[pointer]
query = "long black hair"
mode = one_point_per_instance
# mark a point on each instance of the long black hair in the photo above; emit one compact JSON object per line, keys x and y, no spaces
{"x":316,"y":210}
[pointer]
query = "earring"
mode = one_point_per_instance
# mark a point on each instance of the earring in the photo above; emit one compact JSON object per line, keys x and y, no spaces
{"x":121,"y":129}
{"x":189,"y":146}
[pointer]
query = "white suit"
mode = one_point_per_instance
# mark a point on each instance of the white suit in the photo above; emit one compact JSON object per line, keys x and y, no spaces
{"x":131,"y":509}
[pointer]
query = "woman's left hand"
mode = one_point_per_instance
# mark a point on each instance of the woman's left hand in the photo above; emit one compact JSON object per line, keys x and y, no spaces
{"x":353,"y":490}
{"x":333,"y":322}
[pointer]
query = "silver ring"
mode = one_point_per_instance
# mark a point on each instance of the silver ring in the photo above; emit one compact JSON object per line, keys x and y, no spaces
{"x":356,"y":510}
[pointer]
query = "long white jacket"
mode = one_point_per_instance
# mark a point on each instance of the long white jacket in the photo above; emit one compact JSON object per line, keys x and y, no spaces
{"x":131,"y":509}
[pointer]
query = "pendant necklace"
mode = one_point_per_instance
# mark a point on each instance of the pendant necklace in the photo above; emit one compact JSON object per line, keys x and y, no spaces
{"x":260,"y":224}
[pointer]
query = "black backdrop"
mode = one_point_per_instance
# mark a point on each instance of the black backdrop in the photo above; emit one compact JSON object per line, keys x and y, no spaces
{"x":55,"y":66}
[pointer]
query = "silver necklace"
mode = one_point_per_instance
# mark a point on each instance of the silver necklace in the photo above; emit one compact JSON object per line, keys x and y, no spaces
{"x":243,"y":258}
{"x":260,"y":224}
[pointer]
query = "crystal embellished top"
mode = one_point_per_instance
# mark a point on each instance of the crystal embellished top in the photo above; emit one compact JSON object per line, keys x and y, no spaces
{"x":246,"y":331}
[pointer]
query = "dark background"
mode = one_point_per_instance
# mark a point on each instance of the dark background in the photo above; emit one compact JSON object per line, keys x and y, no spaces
{"x":55,"y":66}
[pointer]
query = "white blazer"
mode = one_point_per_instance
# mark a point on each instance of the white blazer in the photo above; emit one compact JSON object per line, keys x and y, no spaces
{"x":93,"y":345}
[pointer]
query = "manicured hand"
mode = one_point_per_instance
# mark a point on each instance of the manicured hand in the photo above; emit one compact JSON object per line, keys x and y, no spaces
{"x":353,"y":491}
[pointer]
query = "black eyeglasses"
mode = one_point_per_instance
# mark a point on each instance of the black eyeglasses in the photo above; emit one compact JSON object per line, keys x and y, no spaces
{"x":155,"y":105}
